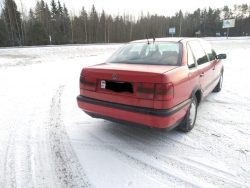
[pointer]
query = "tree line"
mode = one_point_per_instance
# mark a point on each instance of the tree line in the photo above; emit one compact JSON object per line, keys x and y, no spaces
{"x":53,"y":24}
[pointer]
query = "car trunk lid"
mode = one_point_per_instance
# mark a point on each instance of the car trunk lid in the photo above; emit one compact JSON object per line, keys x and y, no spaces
{"x":127,"y":72}
{"x":135,"y":85}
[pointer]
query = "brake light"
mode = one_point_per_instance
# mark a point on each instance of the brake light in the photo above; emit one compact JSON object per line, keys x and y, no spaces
{"x":145,"y":90}
{"x":164,"y":92}
{"x":88,"y":83}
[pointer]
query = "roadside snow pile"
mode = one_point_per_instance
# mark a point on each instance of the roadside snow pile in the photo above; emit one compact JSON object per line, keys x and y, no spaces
{"x":226,"y":38}
{"x":232,"y":45}
{"x":23,"y":56}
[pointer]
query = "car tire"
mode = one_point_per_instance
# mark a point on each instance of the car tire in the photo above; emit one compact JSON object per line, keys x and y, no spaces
{"x":188,"y":122}
{"x":218,"y":87}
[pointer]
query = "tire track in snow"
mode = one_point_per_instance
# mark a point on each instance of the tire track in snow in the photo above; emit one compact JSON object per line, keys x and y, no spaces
{"x":24,"y":150}
{"x":179,"y":168}
{"x":226,"y":150}
{"x":67,"y":170}
{"x":153,"y":172}
{"x":228,"y":102}
{"x":188,"y":164}
{"x":8,"y":176}
{"x":16,"y":170}
{"x":183,"y":169}
{"x":201,"y":174}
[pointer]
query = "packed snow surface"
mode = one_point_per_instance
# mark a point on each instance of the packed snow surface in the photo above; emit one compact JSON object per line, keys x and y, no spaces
{"x":47,"y":141}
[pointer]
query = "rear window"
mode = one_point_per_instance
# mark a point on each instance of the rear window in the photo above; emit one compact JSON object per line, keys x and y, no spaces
{"x":160,"y":53}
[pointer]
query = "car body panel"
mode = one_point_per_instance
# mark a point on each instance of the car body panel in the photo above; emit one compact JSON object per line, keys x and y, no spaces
{"x":217,"y":69}
{"x":128,"y":72}
{"x":152,"y":120}
{"x":206,"y":77}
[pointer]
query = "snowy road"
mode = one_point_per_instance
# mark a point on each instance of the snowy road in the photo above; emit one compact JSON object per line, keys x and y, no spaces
{"x":46,"y":141}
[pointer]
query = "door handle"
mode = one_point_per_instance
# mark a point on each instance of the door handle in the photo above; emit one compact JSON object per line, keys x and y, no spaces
{"x":202,"y":75}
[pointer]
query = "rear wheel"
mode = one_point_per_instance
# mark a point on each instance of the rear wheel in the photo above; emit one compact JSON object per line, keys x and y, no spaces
{"x":218,"y":87}
{"x":190,"y":118}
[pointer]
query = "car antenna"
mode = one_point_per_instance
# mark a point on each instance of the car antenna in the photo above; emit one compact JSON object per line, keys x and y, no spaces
{"x":147,"y":39}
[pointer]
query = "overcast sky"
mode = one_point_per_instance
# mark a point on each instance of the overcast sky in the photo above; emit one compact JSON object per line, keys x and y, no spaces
{"x":160,"y":7}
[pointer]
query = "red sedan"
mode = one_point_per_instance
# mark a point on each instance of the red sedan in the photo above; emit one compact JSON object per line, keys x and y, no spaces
{"x":157,"y":83}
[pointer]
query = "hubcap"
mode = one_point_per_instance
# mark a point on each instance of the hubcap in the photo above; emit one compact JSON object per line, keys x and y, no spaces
{"x":192,"y":111}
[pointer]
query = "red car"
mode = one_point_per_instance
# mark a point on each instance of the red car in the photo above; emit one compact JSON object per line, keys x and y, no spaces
{"x":157,"y":83}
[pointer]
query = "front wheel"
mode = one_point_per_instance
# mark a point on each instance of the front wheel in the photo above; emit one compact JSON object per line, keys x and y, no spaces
{"x":189,"y":120}
{"x":218,"y":87}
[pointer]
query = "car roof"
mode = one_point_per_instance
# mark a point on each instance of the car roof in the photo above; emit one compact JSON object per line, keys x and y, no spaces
{"x":167,"y":39}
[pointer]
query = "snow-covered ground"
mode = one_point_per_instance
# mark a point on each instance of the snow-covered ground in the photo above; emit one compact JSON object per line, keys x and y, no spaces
{"x":46,"y":141}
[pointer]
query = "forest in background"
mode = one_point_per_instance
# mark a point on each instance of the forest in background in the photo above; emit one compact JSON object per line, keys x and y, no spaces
{"x":53,"y":24}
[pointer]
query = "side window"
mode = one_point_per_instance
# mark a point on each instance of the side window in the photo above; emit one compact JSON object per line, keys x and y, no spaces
{"x":214,"y":54}
{"x":190,"y":58}
{"x":209,"y":50}
{"x":137,"y":48}
{"x":199,"y":53}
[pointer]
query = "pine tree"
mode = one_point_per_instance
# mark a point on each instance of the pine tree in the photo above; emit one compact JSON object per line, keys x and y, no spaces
{"x":37,"y":35}
{"x":181,"y":21}
{"x":66,"y":25}
{"x":93,"y":22}
{"x":47,"y":20}
{"x":13,"y":22}
{"x":60,"y":8}
{"x":102,"y":27}
{"x":3,"y":33}
{"x":55,"y":34}
{"x":54,"y":9}
{"x":84,"y":20}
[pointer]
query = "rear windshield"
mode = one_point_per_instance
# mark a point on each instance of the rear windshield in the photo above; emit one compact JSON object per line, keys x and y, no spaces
{"x":160,"y":53}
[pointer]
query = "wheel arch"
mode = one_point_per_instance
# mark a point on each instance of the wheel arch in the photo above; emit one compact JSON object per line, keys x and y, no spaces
{"x":197,"y":93}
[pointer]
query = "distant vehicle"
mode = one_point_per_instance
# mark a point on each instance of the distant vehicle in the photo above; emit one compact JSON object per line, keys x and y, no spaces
{"x":157,"y":83}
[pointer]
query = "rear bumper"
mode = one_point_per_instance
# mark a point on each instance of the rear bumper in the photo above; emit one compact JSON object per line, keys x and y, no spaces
{"x":131,"y":115}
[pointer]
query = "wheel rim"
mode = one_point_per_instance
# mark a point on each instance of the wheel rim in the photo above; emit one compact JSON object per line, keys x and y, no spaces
{"x":192,"y":112}
{"x":221,"y":80}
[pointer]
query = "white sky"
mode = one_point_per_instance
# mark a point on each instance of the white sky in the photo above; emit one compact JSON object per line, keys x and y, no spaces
{"x":161,"y":7}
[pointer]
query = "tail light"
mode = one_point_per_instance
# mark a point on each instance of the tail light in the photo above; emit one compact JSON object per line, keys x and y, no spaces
{"x":164,"y":92}
{"x":88,"y":83}
{"x":145,"y":90}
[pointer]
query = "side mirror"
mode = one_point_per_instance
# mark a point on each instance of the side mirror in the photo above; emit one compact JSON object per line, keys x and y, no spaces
{"x":221,"y":56}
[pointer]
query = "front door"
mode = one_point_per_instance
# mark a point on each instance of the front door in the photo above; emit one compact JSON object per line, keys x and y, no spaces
{"x":205,"y":67}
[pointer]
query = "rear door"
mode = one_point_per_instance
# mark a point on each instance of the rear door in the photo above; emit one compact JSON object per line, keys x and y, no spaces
{"x":205,"y":68}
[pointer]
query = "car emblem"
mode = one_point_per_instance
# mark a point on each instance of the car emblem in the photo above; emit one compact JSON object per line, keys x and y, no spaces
{"x":114,"y":76}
